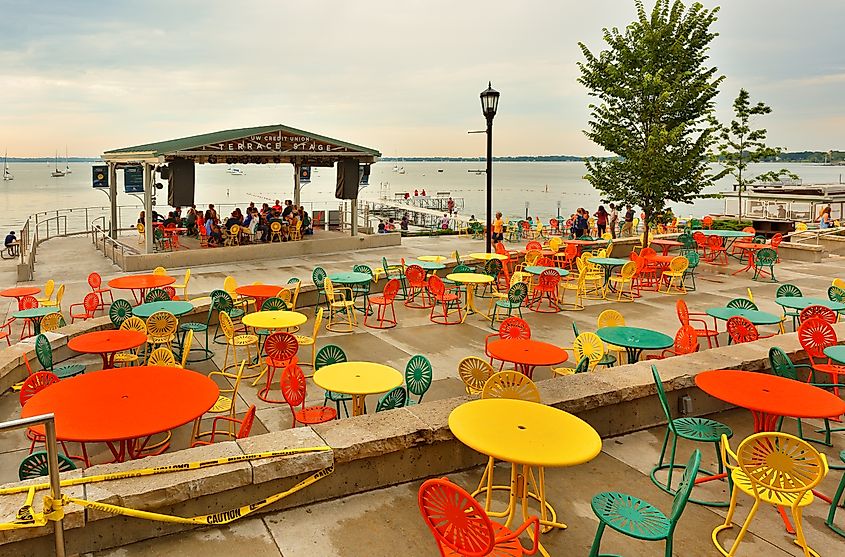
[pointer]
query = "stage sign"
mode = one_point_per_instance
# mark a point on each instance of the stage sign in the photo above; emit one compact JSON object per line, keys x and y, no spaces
{"x":100,"y":176}
{"x":273,"y":142}
{"x":304,"y":174}
{"x":133,"y":178}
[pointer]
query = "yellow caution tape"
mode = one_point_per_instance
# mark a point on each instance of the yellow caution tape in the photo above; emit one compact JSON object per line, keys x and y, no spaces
{"x":27,"y":517}
{"x":224,"y":517}
{"x":167,"y":469}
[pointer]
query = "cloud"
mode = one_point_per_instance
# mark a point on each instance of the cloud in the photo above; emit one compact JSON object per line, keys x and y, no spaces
{"x":403,"y":77}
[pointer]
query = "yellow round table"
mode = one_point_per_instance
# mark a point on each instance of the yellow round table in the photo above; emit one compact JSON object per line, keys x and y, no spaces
{"x":358,"y":379}
{"x":432,"y":258}
{"x":488,"y":256}
{"x":471,"y":280}
{"x":274,"y":319}
{"x":528,"y":435}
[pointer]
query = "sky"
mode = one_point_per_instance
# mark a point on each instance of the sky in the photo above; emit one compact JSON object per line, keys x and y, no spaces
{"x":402,"y":77}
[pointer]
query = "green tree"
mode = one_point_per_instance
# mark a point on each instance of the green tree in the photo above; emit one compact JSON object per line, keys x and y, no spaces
{"x":739,"y":145}
{"x":655,"y":94}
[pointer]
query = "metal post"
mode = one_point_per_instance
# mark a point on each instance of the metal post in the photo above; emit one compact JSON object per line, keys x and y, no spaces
{"x":114,"y":225}
{"x":52,"y":466}
{"x":148,"y":208}
{"x":353,"y":205}
{"x":489,"y":181}
{"x":296,"y":197}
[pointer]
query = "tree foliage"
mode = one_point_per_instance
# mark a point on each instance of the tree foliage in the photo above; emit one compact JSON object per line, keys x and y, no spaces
{"x":655,"y":94}
{"x":739,"y":145}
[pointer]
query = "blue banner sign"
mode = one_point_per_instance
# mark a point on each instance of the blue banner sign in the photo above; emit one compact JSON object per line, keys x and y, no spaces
{"x":133,"y":178}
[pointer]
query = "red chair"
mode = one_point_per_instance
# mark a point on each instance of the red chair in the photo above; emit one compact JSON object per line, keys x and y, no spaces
{"x":446,"y":298}
{"x":35,"y":383}
{"x":462,"y":528}
{"x":388,"y":295}
{"x":718,"y":253}
{"x":511,"y":327}
{"x":170,"y":291}
{"x":570,"y":254}
{"x":26,"y":302}
{"x":293,"y":389}
{"x":742,"y":330}
{"x":815,"y":335}
{"x":820,"y":312}
{"x":650,"y":272}
{"x":512,"y":256}
{"x":7,"y":333}
{"x":417,"y":286}
{"x":281,"y":349}
{"x":545,"y":262}
{"x":687,"y":318}
{"x":776,"y":240}
{"x":547,"y":287}
{"x":707,"y":222}
{"x":554,"y":227}
{"x":89,"y":305}
{"x":95,"y":281}
{"x":533,"y":245}
{"x":686,"y":342}
{"x":244,"y":427}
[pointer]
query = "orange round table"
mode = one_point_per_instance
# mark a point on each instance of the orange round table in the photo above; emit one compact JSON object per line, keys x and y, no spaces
{"x":259,"y":292}
{"x":20,"y":291}
{"x":769,"y":397}
{"x":666,"y":245}
{"x":107,"y":343}
{"x":527,"y":354}
{"x":141,"y":283}
{"x":125,"y":406}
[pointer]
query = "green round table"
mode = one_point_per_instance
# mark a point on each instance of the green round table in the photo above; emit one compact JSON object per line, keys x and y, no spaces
{"x":177,"y":308}
{"x":836,"y":353}
{"x":756,"y":317}
{"x":35,"y":315}
{"x":608,"y":264}
{"x":430,"y":265}
{"x":351,"y":279}
{"x":538,"y":270}
{"x":634,"y":340}
{"x":727,"y":233}
{"x":799,"y":303}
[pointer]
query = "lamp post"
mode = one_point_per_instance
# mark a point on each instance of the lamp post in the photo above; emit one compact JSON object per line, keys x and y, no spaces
{"x":489,"y":103}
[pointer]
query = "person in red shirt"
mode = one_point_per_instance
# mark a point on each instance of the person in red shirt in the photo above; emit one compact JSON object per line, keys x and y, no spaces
{"x":601,"y":220}
{"x":277,"y":206}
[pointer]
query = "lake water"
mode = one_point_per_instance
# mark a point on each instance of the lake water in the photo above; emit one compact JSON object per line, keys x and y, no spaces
{"x":540,"y":185}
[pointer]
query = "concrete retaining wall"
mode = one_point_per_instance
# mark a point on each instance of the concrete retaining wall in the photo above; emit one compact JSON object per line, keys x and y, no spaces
{"x":371,"y":451}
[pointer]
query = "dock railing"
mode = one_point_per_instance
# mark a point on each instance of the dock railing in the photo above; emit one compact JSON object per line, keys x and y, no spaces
{"x":49,"y":422}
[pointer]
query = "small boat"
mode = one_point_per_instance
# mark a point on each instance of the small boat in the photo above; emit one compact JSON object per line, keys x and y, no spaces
{"x":57,"y":173}
{"x":395,"y":168}
{"x":67,"y":164}
{"x":234,"y":171}
{"x":401,"y":170}
{"x":7,"y":175}
{"x":439,"y":170}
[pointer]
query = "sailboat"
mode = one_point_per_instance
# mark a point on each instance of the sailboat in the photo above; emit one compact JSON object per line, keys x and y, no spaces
{"x":235,"y":171}
{"x":7,"y":175}
{"x":57,"y":173}
{"x":67,"y":163}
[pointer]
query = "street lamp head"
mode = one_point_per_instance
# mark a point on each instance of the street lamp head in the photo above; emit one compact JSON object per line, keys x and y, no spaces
{"x":489,"y":101}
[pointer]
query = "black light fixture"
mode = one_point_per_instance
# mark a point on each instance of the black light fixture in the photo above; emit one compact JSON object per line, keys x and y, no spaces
{"x":489,"y":105}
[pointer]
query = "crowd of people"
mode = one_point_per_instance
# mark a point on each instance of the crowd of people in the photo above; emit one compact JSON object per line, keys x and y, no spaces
{"x":255,"y":222}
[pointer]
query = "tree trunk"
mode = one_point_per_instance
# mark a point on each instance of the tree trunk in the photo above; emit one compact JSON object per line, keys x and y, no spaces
{"x":646,"y":227}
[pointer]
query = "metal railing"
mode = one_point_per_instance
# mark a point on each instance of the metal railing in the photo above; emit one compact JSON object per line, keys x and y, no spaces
{"x":52,"y":466}
{"x":805,"y":236}
{"x":110,"y":247}
{"x":28,"y":244}
{"x":59,"y":227}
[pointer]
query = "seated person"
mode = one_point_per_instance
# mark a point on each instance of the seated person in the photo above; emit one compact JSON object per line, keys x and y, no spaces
{"x":232,"y":220}
{"x":391,"y":225}
{"x":11,"y":241}
{"x":403,"y":224}
{"x":381,"y":227}
{"x":171,"y":220}
{"x":215,"y":236}
{"x":191,"y":221}
{"x":306,"y":222}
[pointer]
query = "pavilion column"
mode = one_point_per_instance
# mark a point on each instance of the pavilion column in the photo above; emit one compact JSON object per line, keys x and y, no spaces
{"x":148,"y":207}
{"x":296,"y":185}
{"x":113,"y":226}
{"x":353,"y":206}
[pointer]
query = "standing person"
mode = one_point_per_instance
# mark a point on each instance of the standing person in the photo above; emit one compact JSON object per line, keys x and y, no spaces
{"x":628,"y":227}
{"x":582,"y":224}
{"x":191,"y":221}
{"x":444,"y":222}
{"x":142,"y":218}
{"x":601,"y":220}
{"x":498,"y":228}
{"x":824,"y":220}
{"x":614,"y":219}
{"x":213,"y":212}
{"x":450,"y":204}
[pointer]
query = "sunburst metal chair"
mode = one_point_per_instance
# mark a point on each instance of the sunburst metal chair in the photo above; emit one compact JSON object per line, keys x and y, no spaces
{"x":697,"y":430}
{"x":638,"y":519}
{"x":328,"y":355}
{"x":225,"y":403}
{"x":233,"y":341}
{"x":474,"y":372}
{"x":341,"y":302}
{"x":774,"y":468}
{"x":294,"y":391}
{"x":418,"y":376}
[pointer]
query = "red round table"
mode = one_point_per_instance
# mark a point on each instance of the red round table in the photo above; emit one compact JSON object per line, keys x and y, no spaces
{"x":259,"y":292}
{"x":666,"y":245}
{"x":527,"y":354}
{"x":769,"y":396}
{"x":142,"y":283}
{"x":125,"y":406}
{"x":107,"y":343}
{"x":20,"y":291}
